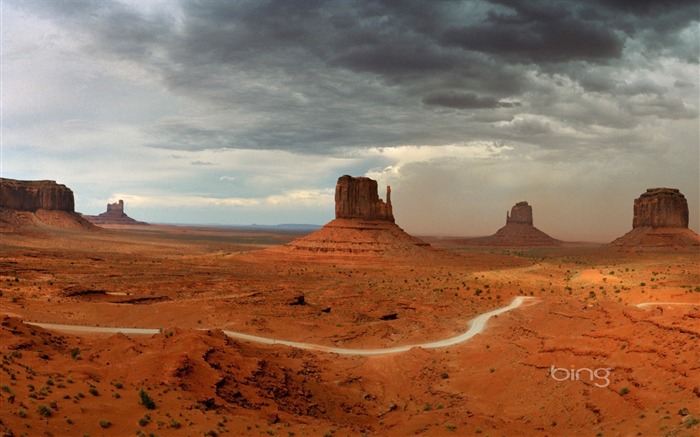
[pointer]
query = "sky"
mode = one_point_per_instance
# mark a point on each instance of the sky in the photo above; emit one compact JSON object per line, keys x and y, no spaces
{"x":242,"y":112}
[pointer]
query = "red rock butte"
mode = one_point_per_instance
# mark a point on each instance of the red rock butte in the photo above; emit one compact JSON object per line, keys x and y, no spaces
{"x":37,"y":203}
{"x":35,"y":195}
{"x":364,"y":225}
{"x":114,"y":215}
{"x":660,"y":220}
{"x":518,"y":231}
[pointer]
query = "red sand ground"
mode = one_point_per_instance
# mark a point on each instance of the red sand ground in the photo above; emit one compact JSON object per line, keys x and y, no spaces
{"x":183,"y":279}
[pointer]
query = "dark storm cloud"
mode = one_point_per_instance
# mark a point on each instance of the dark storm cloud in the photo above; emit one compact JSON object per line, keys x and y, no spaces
{"x":539,"y":32}
{"x":318,"y":76}
{"x":465,"y":101}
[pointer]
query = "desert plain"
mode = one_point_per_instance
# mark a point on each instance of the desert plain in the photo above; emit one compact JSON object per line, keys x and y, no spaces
{"x":620,"y":368}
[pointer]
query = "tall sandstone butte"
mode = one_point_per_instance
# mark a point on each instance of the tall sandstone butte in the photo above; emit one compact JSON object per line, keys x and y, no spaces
{"x":661,"y":208}
{"x":363,"y":226}
{"x":521,"y":213}
{"x":660,"y":221}
{"x":35,"y":195}
{"x":518,"y":231}
{"x":358,"y":198}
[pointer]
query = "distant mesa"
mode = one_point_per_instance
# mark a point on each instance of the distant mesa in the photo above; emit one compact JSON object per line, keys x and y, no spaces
{"x":364,"y":225}
{"x":38,"y":203}
{"x":32,"y":196}
{"x":518,"y":231}
{"x":114,"y":215}
{"x":660,"y":220}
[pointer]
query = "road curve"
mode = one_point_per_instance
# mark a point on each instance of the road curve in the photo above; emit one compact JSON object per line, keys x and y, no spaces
{"x":476,"y":325}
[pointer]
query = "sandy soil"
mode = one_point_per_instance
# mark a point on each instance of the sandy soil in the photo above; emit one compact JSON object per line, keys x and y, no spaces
{"x":584,"y":320}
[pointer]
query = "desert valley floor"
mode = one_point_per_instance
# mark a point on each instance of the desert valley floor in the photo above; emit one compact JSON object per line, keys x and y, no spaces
{"x":194,"y":283}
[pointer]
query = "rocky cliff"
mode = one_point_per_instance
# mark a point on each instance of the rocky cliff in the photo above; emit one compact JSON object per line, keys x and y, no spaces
{"x":35,"y":195}
{"x":661,"y":208}
{"x":357,"y":198}
{"x":660,"y":221}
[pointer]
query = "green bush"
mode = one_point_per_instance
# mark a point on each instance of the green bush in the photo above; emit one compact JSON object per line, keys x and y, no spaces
{"x":146,"y":400}
{"x":44,"y":410}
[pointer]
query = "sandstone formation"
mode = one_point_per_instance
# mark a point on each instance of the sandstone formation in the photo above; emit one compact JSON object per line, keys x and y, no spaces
{"x":521,"y":213}
{"x":661,"y":208}
{"x":114,"y":215}
{"x":34,"y":204}
{"x":364,"y":225}
{"x":357,"y":198}
{"x":35,"y":195}
{"x":518,"y":231}
{"x":660,"y":220}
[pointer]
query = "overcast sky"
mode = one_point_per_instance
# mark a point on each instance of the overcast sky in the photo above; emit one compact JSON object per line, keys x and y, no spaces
{"x":240,"y":112}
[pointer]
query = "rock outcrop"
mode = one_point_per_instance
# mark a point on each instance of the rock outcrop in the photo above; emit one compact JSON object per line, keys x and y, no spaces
{"x":660,"y":221}
{"x":114,"y":215}
{"x":521,"y":213}
{"x":35,"y":195}
{"x":518,"y":231}
{"x":357,"y":198}
{"x":661,"y":208}
{"x":364,"y":225}
{"x":30,"y":205}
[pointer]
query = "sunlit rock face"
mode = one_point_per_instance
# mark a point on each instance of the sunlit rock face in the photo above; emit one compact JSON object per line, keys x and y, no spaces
{"x":358,"y":198}
{"x":35,"y":195}
{"x":661,"y":208}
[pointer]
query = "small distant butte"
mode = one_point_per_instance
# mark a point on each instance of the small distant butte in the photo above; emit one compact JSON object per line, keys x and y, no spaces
{"x":114,"y":215}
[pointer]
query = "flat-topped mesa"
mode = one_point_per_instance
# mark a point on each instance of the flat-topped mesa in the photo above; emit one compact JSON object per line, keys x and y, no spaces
{"x":661,"y":208}
{"x":35,"y":195}
{"x":358,"y":198}
{"x":520,"y":213}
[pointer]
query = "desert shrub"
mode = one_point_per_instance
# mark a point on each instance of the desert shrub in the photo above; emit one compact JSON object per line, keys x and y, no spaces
{"x":624,"y":391}
{"x":145,"y":420}
{"x":146,"y":400}
{"x":104,"y":423}
{"x":44,"y":410}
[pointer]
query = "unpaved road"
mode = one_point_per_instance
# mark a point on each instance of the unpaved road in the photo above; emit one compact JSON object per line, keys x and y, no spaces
{"x":476,"y":326}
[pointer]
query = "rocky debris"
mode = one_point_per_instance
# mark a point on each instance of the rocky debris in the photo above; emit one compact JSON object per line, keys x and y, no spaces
{"x":114,"y":215}
{"x":298,"y":300}
{"x":35,"y":195}
{"x":661,"y":208}
{"x":518,"y":231}
{"x":357,"y":198}
{"x":660,"y":221}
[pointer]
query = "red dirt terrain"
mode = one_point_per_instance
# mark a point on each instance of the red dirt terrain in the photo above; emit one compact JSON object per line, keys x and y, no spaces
{"x":618,"y":369}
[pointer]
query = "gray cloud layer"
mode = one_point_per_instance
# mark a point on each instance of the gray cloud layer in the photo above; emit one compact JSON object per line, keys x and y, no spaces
{"x":561,"y":82}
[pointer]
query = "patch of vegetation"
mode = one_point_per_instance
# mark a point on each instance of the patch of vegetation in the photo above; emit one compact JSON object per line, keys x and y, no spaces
{"x":44,"y":410}
{"x":145,"y":420}
{"x":146,"y":400}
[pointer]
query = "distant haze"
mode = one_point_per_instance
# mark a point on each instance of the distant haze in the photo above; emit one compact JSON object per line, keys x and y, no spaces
{"x":240,"y":112}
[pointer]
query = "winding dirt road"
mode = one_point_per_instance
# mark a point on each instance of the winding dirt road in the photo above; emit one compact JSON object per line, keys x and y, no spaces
{"x":476,"y":326}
